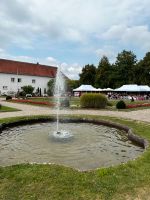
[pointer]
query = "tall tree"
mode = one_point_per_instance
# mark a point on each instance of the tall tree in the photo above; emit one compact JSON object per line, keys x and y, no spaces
{"x":142,"y":71}
{"x":103,"y":73}
{"x":88,"y":75}
{"x":124,"y":68}
{"x":50,"y":86}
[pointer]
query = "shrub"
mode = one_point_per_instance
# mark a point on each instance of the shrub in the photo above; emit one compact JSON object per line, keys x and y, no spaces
{"x":0,"y":106}
{"x":8,"y":98}
{"x":93,"y":101}
{"x":121,"y":105}
{"x":65,"y":103}
{"x":109,"y":103}
{"x":22,"y":94}
{"x":28,"y":89}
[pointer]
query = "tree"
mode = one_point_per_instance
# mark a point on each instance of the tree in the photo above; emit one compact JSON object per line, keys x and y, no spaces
{"x":103,"y":73}
{"x":142,"y":71}
{"x":124,"y":68}
{"x":28,"y":89}
{"x":50,"y":86}
{"x":72,"y":84}
{"x":88,"y":75}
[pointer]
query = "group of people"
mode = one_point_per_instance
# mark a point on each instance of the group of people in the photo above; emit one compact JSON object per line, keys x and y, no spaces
{"x":125,"y":96}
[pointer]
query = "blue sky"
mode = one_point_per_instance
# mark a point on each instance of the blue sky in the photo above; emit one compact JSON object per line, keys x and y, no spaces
{"x":73,"y":33}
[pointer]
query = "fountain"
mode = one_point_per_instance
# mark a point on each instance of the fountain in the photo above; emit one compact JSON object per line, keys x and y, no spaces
{"x":85,"y":145}
{"x":59,"y":92}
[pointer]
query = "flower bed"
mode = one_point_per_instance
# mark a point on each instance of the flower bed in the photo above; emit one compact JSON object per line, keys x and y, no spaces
{"x":33,"y":102}
{"x":138,"y":105}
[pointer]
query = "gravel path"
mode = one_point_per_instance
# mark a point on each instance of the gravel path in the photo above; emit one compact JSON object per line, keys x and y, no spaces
{"x":27,"y":110}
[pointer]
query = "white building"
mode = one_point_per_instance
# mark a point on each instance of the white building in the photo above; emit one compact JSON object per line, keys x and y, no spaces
{"x":14,"y":75}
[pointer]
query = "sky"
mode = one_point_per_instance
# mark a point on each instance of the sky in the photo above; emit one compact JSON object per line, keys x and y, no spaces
{"x":73,"y":33}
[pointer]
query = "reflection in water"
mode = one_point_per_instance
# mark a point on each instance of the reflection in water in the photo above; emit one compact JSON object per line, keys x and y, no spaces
{"x":91,"y":146}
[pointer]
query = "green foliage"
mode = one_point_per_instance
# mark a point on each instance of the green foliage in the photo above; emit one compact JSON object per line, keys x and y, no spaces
{"x":121,"y":105}
{"x":88,"y":75}
{"x":125,"y":70}
{"x":22,"y":94}
{"x":28,"y":89}
{"x":103,"y":73}
{"x":109,"y":103}
{"x":8,"y":98}
{"x":142,"y":71}
{"x":50,"y":86}
{"x":72,"y":84}
{"x":93,"y":101}
{"x":0,"y":106}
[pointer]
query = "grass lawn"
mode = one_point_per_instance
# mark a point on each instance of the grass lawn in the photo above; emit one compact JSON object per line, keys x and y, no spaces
{"x":53,"y":182}
{"x":7,"y":109}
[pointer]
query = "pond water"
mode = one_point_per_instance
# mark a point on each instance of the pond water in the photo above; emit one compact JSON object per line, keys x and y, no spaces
{"x":91,"y":146}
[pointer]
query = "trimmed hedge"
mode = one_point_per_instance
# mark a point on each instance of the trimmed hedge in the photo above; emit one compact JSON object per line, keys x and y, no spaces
{"x":93,"y":101}
{"x":121,"y":105}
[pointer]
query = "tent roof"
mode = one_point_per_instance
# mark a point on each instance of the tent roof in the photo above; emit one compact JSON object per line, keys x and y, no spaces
{"x":133,"y":88}
{"x":84,"y":88}
{"x":107,"y":89}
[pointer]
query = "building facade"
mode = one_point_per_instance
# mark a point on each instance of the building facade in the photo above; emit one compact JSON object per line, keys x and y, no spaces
{"x":14,"y":75}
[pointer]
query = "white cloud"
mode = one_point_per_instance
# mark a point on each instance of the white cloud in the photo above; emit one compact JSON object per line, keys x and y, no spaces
{"x":71,"y":70}
{"x":135,"y":35}
{"x":108,"y":51}
{"x":26,"y":24}
{"x":71,"y":20}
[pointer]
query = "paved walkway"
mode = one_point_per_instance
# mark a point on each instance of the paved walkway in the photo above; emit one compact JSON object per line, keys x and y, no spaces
{"x":28,"y":110}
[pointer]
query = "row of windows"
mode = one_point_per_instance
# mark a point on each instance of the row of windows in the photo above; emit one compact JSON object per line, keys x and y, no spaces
{"x":19,"y":80}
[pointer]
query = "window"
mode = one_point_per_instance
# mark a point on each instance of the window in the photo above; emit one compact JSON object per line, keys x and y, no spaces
{"x":33,"y":80}
{"x":19,"y":80}
{"x":13,"y":80}
{"x":5,"y":87}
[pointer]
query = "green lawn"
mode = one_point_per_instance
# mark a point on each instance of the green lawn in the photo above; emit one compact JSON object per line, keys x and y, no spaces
{"x":53,"y":182}
{"x":7,"y":109}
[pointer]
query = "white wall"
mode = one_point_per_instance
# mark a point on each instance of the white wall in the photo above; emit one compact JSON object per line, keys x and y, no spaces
{"x":5,"y":80}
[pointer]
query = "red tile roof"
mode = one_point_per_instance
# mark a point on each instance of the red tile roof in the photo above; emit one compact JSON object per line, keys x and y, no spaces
{"x":23,"y":68}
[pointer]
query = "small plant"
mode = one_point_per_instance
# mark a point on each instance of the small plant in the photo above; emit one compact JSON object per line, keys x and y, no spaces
{"x":8,"y":98}
{"x":121,"y":105}
{"x":93,"y":101}
{"x":65,"y":103}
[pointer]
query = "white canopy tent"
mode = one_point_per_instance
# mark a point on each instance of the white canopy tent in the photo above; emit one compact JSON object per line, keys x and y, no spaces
{"x":85,"y":88}
{"x":144,"y":88}
{"x":133,"y":88}
{"x":107,"y":89}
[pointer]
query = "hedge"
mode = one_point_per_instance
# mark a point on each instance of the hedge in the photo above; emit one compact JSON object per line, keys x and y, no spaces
{"x":93,"y":101}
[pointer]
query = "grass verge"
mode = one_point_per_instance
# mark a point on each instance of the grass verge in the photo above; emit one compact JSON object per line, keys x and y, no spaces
{"x":53,"y":182}
{"x":7,"y":109}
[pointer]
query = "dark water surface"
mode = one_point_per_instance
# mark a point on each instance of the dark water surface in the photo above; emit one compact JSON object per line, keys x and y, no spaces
{"x":92,"y":146}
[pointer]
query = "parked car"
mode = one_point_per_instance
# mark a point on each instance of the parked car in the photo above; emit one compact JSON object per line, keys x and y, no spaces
{"x":45,"y":95}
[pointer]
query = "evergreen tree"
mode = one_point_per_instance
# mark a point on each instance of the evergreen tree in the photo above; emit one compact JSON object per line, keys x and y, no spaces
{"x":142,"y":72}
{"x":88,"y":75}
{"x":124,"y":68}
{"x":103,"y":74}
